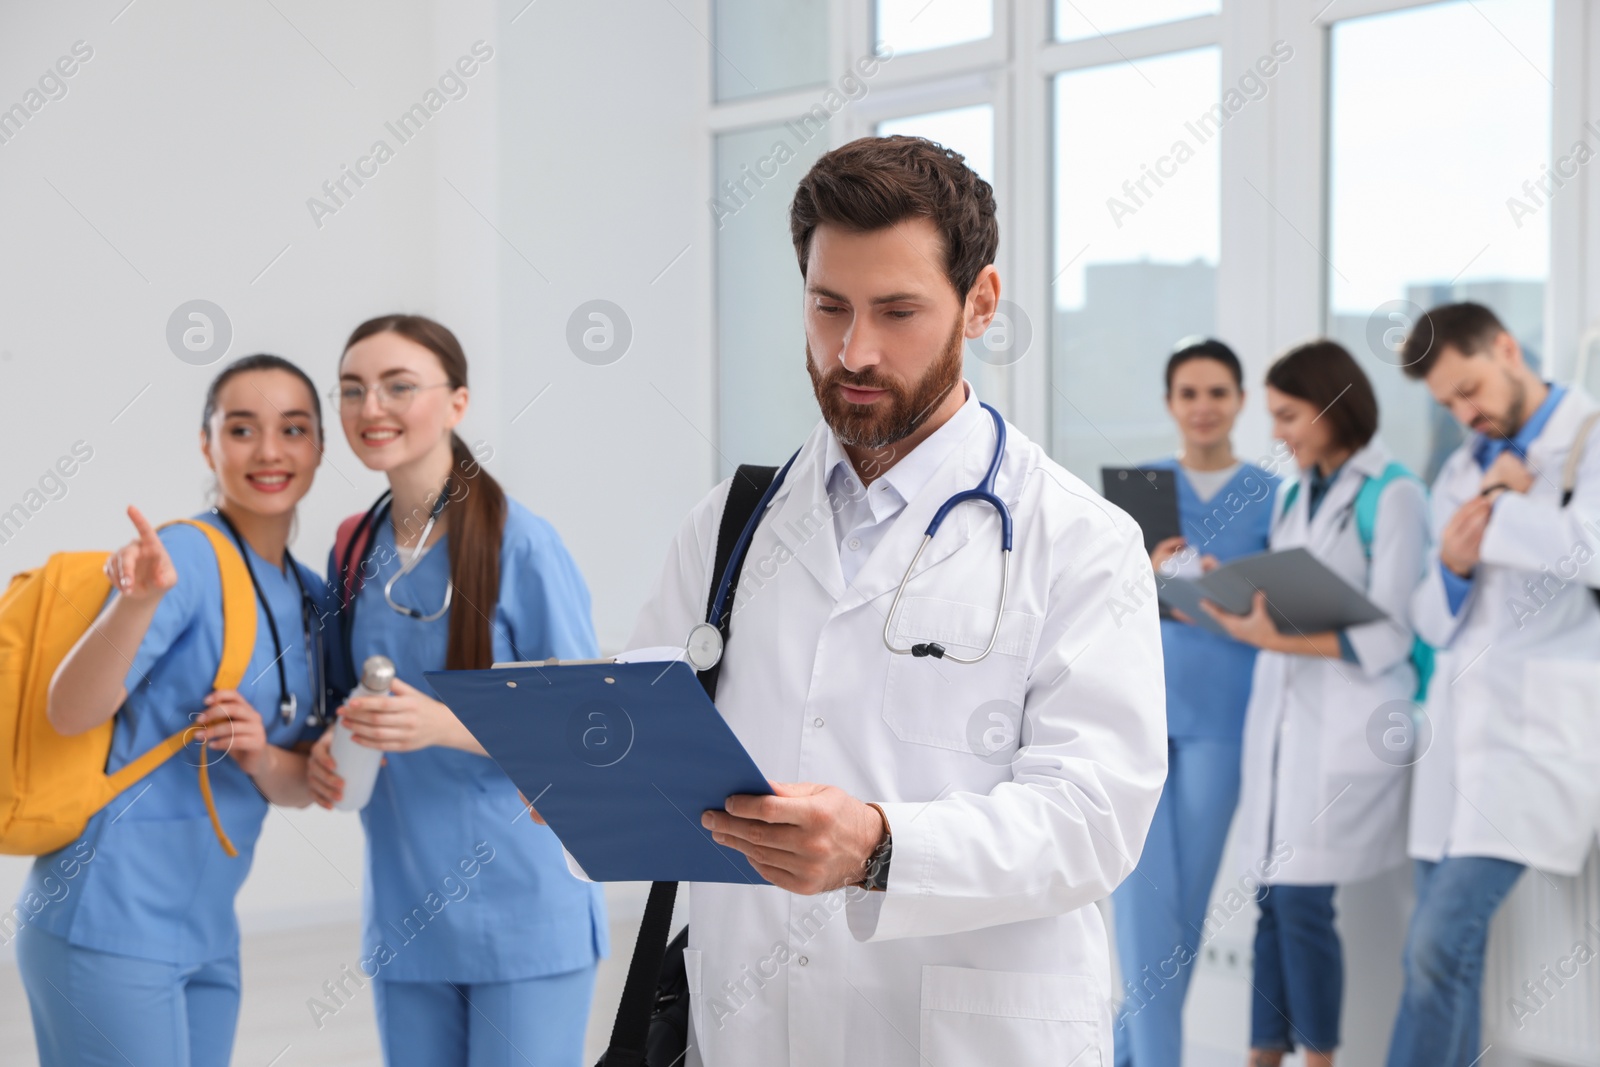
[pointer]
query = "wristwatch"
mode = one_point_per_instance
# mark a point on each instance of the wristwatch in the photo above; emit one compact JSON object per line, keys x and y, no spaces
{"x":876,"y":869}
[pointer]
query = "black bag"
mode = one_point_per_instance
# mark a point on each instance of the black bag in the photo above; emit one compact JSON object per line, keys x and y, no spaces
{"x":652,"y":1027}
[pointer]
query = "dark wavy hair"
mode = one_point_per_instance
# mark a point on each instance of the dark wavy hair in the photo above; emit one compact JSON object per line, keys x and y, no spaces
{"x":875,"y":182}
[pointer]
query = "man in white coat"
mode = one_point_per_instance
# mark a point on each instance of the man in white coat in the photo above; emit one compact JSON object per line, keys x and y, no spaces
{"x":1512,"y":777}
{"x":997,"y":800}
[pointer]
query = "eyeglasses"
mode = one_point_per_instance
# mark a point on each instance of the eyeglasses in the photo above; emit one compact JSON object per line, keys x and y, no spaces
{"x":394,"y":394}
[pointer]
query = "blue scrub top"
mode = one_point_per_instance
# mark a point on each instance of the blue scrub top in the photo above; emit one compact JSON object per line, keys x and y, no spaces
{"x":1208,"y":676}
{"x":461,"y":884}
{"x":149,"y":878}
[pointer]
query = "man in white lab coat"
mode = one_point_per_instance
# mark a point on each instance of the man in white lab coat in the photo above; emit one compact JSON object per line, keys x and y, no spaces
{"x":1511,"y":779}
{"x":941,"y":830}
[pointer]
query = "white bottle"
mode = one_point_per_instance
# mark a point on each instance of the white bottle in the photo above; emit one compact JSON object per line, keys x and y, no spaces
{"x":358,"y":764}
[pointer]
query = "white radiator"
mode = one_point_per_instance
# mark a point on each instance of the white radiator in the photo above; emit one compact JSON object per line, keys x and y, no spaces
{"x":1541,"y":996}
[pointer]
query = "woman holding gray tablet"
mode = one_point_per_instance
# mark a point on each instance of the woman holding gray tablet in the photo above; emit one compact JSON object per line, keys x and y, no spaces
{"x":1225,"y":507}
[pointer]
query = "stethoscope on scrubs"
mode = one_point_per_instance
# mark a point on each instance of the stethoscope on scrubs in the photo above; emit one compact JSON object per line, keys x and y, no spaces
{"x":704,"y":646}
{"x":369,"y":525}
{"x":289,"y":702}
{"x":410,"y":563}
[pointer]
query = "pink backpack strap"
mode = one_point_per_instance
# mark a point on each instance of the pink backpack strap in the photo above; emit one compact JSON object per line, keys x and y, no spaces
{"x":350,"y":581}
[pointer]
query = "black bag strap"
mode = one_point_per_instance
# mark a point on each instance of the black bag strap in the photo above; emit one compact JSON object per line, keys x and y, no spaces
{"x":632,"y":1027}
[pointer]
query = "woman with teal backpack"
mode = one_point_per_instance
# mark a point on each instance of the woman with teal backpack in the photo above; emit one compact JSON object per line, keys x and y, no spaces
{"x":136,"y":958}
{"x":1327,"y":741}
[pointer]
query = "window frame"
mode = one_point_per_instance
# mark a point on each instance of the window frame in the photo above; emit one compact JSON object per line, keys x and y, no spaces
{"x":1271,"y":274}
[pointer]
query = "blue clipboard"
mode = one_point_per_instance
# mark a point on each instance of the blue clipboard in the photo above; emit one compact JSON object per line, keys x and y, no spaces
{"x":619,"y":758}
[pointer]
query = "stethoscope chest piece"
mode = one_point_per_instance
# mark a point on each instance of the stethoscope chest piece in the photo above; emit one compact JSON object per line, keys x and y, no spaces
{"x":704,"y":647}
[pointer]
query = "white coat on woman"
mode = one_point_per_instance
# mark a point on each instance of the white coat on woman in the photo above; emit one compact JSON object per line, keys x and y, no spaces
{"x":1324,"y":778}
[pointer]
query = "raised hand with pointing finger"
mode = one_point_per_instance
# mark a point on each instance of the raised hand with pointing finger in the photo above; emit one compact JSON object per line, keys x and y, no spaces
{"x":141,"y":569}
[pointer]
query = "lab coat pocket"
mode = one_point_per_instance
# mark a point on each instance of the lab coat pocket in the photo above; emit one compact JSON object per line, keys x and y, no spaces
{"x":974,"y":1016}
{"x":1559,"y":712}
{"x":960,"y":706}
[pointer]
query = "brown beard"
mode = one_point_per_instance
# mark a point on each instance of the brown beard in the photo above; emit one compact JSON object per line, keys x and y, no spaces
{"x":1506,"y":425}
{"x":878,"y":426}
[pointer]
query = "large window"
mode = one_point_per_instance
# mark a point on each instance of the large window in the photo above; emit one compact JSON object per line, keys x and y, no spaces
{"x":1439,"y":188}
{"x":1136,"y":249}
{"x":920,"y":25}
{"x":768,"y":46}
{"x":765,"y":406}
{"x":1077,"y":19}
{"x":968,"y":130}
{"x":1259,"y":171}
{"x":1417,"y":164}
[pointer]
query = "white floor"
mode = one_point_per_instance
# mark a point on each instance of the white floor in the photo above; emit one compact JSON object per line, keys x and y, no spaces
{"x":284,"y":969}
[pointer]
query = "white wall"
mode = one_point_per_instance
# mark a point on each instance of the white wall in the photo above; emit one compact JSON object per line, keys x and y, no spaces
{"x":190,"y":143}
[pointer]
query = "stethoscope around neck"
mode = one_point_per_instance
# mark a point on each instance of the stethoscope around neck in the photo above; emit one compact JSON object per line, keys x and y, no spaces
{"x":704,"y":646}
{"x":350,"y":568}
{"x":288,"y":701}
{"x":410,"y":563}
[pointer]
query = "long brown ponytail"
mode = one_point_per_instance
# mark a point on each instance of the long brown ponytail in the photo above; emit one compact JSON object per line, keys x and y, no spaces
{"x":477,"y":506}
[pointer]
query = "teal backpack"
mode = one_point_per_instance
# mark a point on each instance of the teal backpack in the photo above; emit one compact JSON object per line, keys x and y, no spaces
{"x":1366,"y":521}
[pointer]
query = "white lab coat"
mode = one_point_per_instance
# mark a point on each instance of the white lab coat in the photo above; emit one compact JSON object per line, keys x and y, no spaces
{"x":1317,"y":804}
{"x":987,"y":947}
{"x":1514,"y":767}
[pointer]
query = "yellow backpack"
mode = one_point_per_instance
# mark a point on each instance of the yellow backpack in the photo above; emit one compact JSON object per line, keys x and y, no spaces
{"x":50,"y":784}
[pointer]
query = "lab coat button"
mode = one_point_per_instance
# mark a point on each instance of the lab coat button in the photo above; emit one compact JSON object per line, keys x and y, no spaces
{"x":855,"y":543}
{"x":817,"y":721}
{"x":803,"y":961}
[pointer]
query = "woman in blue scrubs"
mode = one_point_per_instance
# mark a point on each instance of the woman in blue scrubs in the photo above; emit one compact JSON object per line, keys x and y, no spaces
{"x":134,"y":957}
{"x":1225,"y":511}
{"x":495,"y":966}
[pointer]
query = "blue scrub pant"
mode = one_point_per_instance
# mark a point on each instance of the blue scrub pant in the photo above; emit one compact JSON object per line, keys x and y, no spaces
{"x":533,"y":1022}
{"x":1298,"y":986}
{"x":1159,"y":909}
{"x":99,"y":1009}
{"x":1440,"y":1010}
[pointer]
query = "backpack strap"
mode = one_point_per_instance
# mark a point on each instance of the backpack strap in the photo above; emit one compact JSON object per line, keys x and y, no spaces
{"x":631,"y":1031}
{"x":238,"y":645}
{"x":1367,"y":502}
{"x":350,"y":546}
{"x":1569,"y":470}
{"x":1290,"y":492}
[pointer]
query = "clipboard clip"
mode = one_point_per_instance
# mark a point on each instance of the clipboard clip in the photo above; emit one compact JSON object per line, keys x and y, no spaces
{"x":554,"y":662}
